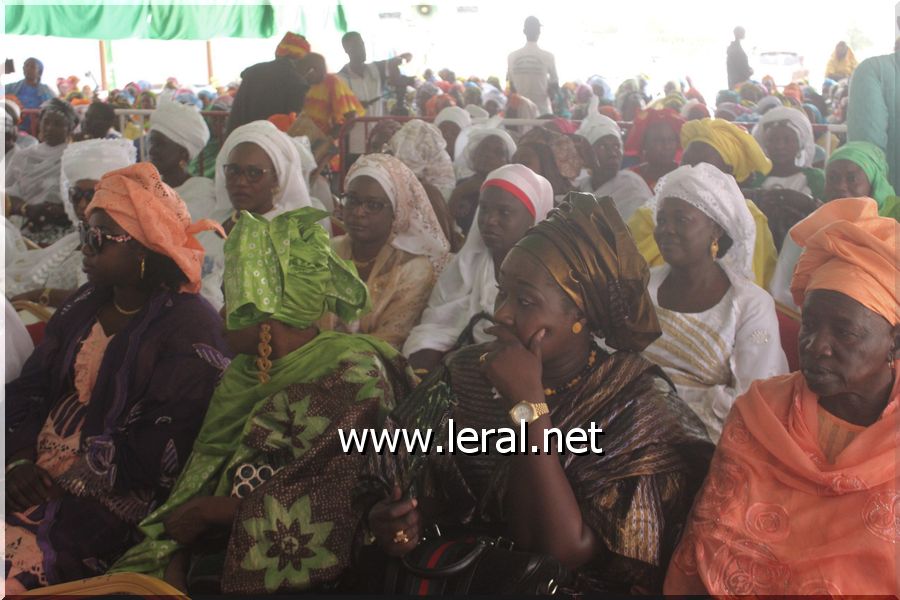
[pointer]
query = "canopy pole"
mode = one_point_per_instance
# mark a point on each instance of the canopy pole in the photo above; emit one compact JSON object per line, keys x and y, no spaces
{"x":103,"y":84}
{"x":209,"y":60}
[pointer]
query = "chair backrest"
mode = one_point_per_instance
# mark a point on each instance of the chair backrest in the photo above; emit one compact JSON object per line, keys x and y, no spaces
{"x":789,"y":328}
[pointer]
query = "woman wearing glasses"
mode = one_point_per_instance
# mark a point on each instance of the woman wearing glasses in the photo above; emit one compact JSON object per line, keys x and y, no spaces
{"x":49,"y":275}
{"x":396,"y":243}
{"x":258,"y":170}
{"x":100,"y":422}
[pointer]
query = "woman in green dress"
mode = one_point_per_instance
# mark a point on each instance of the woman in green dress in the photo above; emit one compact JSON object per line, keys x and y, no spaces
{"x":267,"y":475}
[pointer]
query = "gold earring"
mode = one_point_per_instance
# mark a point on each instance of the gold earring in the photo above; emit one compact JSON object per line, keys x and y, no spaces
{"x":714,"y":249}
{"x":142,"y":268}
{"x":577,"y":327}
{"x":265,"y":350}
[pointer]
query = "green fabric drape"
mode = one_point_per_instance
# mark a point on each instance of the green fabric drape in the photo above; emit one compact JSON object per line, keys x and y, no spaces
{"x":174,"y":22}
{"x":96,"y":21}
{"x":142,"y":20}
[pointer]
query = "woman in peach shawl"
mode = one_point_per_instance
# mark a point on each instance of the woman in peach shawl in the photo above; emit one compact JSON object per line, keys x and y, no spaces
{"x":106,"y":409}
{"x":802,"y":496}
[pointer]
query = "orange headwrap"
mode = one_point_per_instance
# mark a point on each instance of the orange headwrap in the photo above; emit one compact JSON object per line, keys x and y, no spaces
{"x":849,"y":249}
{"x":153,"y":214}
{"x":292,"y":45}
{"x":437,"y":103}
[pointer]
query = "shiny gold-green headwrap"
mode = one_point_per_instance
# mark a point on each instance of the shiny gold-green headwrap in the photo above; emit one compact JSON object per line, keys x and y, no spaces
{"x":589,"y":252}
{"x":285,"y":269}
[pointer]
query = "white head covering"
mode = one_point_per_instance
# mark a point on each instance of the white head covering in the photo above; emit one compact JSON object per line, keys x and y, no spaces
{"x":422,"y":148}
{"x":531,"y":189}
{"x":454,"y":114}
{"x":476,"y":135}
{"x":797,"y":120}
{"x":307,"y":158}
{"x":476,"y":112}
{"x":489,"y":92}
{"x":527,"y":109}
{"x":9,"y":105}
{"x":182,"y":124}
{"x":282,"y":150}
{"x":596,"y":126}
{"x":416,"y":228}
{"x":92,"y":159}
{"x":467,"y":286}
{"x":716,"y":194}
{"x":768,"y":103}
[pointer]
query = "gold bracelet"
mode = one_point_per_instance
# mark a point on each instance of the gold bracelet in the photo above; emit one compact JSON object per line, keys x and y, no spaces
{"x":44,"y":299}
{"x":18,"y":463}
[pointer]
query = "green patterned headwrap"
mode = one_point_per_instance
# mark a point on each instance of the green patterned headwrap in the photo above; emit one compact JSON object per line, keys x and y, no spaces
{"x":871,"y":159}
{"x":285,"y":269}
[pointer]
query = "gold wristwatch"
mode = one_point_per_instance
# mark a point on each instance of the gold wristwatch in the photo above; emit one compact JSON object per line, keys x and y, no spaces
{"x":528,"y":412}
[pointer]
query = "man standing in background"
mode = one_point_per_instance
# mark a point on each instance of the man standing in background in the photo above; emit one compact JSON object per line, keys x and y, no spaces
{"x":532,"y":71}
{"x":737,"y":64}
{"x":277,"y":87}
{"x":368,"y":82}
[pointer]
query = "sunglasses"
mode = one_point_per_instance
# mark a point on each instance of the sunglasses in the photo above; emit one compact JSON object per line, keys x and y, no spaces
{"x":350,"y":203}
{"x":253,"y":174}
{"x":94,"y":238}
{"x":77,"y":194}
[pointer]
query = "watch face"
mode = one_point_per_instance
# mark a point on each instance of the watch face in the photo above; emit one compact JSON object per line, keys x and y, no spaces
{"x":521,"y":412}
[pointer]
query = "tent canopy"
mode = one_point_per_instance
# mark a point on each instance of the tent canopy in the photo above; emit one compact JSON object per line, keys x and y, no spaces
{"x":145,"y":19}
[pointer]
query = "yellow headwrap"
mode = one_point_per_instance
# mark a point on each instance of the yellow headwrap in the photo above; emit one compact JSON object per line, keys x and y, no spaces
{"x":737,"y":147}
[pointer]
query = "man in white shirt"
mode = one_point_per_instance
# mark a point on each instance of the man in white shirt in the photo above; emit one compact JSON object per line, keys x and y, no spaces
{"x":368,"y":81}
{"x":532,"y":71}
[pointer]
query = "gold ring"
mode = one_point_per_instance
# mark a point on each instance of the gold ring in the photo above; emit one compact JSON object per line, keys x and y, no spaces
{"x":483,"y":358}
{"x":401,"y":538}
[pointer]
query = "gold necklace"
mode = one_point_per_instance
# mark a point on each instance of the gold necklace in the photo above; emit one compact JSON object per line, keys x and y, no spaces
{"x":124,"y":312}
{"x":363,"y":264}
{"x":548,"y":392}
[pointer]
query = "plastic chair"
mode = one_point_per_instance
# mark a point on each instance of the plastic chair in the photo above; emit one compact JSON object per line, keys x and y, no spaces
{"x":35,"y":318}
{"x":789,"y":329}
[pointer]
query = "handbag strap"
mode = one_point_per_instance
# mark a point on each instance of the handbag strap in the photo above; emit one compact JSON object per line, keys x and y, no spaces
{"x":451,"y":569}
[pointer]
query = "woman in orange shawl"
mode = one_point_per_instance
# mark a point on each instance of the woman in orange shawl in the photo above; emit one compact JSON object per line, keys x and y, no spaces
{"x":802,"y":496}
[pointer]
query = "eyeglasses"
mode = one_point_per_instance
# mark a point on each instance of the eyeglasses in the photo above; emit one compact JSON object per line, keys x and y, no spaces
{"x":253,"y":174}
{"x":77,"y":194}
{"x":94,"y":238}
{"x":350,"y":203}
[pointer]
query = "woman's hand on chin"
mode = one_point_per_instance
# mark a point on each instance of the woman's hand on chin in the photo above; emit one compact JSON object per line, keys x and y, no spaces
{"x":513,"y":368}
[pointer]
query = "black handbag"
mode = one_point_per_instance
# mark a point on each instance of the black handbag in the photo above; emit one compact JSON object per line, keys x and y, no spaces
{"x":474,"y":565}
{"x":464,"y":564}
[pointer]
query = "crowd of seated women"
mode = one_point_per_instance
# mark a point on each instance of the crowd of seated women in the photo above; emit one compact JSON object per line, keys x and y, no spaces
{"x":180,"y":417}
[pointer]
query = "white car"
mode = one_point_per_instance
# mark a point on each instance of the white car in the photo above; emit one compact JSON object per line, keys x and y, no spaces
{"x":784,"y":67}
